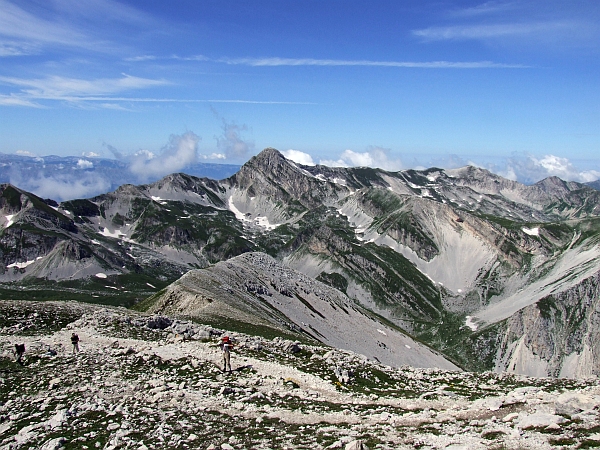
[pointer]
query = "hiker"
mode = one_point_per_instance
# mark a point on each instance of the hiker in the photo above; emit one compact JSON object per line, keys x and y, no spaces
{"x":226,"y":346}
{"x":75,"y":342}
{"x":19,"y":351}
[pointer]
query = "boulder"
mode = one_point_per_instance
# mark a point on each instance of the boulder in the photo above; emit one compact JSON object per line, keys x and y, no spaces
{"x":571,"y":403}
{"x":158,"y":323}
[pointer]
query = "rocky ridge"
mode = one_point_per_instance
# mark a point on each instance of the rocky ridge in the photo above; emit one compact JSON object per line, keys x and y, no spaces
{"x":261,"y":291}
{"x":451,"y":257}
{"x":154,"y":382}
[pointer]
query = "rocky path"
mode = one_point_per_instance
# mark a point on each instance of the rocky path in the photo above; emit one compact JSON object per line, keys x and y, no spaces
{"x":143,"y":382}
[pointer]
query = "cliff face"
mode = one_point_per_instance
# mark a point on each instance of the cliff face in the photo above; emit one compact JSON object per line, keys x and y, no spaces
{"x":463,"y":260}
{"x":557,"y":336}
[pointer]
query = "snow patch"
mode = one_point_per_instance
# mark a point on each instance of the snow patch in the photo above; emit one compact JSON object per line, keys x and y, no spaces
{"x":9,"y":220}
{"x":381,"y":331}
{"x":101,"y":275}
{"x":472,"y":325}
{"x":22,"y":265}
{"x":238,"y":214}
{"x":531,"y":231}
{"x":153,"y":287}
{"x":114,"y":234}
{"x":158,"y":200}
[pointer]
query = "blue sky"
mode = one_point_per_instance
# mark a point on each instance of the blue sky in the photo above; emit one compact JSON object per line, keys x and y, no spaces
{"x":513,"y":86}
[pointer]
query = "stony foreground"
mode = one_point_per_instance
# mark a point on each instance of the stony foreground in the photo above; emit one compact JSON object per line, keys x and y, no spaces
{"x":143,"y":382}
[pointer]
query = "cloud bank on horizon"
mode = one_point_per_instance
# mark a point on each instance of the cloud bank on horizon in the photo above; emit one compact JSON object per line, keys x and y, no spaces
{"x":83,"y":179}
{"x":508,"y":86}
{"x":523,"y":168}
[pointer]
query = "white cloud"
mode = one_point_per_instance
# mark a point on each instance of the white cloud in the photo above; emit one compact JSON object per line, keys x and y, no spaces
{"x":487,"y":31}
{"x":563,"y":168}
{"x":299,"y":157}
{"x":179,"y":153}
{"x":530,"y":169}
{"x":213,"y":156}
{"x":91,"y":155}
{"x":141,"y":58}
{"x":276,"y":61}
{"x":374,"y":157}
{"x":19,"y":24}
{"x":84,"y":164}
{"x":62,"y":88}
{"x":333,"y":163}
{"x":487,"y":8}
{"x":65,"y":187}
{"x":144,"y":154}
{"x":62,"y":23}
{"x":25,"y":153}
{"x":15,"y":100}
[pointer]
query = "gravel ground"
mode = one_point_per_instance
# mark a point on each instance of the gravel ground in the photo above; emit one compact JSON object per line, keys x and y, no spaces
{"x":142,"y":382}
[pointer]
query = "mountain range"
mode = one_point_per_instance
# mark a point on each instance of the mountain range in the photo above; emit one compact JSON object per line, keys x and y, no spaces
{"x":455,"y":268}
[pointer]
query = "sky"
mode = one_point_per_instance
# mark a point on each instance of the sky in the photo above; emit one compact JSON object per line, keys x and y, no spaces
{"x":511,"y":86}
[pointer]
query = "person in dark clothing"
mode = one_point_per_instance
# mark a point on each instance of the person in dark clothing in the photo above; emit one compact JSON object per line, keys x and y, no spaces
{"x":19,"y":352}
{"x":75,"y":342}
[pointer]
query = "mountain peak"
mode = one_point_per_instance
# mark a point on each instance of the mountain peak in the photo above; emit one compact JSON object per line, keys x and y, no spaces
{"x":269,"y":157}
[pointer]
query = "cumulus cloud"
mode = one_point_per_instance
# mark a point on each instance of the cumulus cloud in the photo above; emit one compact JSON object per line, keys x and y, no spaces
{"x":530,"y":169}
{"x":84,"y":164}
{"x":374,"y":157}
{"x":180,"y":152}
{"x":24,"y":153}
{"x":298,"y":157}
{"x":64,"y":187}
{"x":213,"y":156}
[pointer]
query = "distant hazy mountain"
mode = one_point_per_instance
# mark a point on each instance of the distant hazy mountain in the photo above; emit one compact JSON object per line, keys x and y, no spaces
{"x":66,"y":178}
{"x":490,"y":273}
{"x":594,"y":184}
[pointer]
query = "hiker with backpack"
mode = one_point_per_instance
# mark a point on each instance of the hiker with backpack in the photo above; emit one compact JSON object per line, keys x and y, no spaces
{"x":19,"y":352}
{"x":226,"y":347}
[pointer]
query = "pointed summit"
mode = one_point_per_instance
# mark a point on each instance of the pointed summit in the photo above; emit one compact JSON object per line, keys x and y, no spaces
{"x":269,"y":160}
{"x":271,"y":175}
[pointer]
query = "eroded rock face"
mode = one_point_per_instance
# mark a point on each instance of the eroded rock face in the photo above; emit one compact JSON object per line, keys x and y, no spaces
{"x":557,"y":336}
{"x":136,"y":387}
